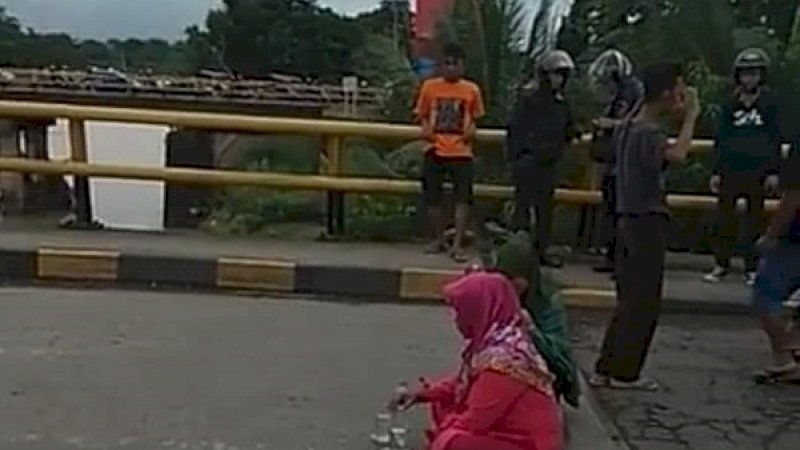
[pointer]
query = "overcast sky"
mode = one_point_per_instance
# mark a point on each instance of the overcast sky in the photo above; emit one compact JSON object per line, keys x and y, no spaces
{"x":130,"y":18}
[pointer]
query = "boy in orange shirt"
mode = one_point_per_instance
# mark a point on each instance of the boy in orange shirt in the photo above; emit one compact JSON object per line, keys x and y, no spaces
{"x":447,"y":108}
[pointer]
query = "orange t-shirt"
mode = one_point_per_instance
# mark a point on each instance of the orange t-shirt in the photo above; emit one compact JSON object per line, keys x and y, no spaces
{"x":450,"y":107}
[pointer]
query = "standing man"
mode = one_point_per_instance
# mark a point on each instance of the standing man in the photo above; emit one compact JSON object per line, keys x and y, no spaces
{"x":779,"y":272}
{"x":642,"y":151}
{"x":612,"y":74}
{"x":538,"y":132}
{"x":747,"y":155}
{"x":447,"y":108}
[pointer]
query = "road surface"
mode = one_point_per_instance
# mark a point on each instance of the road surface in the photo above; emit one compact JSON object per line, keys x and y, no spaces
{"x":709,"y":401}
{"x":133,"y":370}
{"x":143,"y":370}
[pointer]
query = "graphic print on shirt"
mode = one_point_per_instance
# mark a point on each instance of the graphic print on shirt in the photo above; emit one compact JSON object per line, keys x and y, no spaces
{"x":449,"y":116}
{"x":747,"y":118}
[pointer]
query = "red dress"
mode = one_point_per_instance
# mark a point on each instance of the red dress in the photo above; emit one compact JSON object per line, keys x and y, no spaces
{"x":498,"y":413}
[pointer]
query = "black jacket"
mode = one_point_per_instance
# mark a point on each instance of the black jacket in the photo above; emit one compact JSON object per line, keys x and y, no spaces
{"x":748,"y":138}
{"x":541,"y":125}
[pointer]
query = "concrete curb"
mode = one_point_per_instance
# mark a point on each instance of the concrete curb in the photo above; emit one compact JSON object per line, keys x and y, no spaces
{"x":595,"y":429}
{"x":409,"y":284}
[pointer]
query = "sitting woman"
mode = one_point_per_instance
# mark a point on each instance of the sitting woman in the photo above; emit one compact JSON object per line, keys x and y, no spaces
{"x":539,"y":296}
{"x":502,"y":397}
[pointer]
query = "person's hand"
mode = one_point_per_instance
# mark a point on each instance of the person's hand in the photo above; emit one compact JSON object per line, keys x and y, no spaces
{"x":766,"y":244}
{"x":402,"y":399}
{"x":604,"y":123}
{"x":427,"y":132}
{"x":691,"y":103}
{"x":771,"y":183}
{"x":715,"y":183}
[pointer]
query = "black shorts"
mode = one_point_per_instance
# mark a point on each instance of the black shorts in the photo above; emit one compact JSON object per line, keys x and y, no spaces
{"x":436,"y":169}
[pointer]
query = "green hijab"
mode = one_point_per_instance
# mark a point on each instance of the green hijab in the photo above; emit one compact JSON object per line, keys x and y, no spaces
{"x":516,"y":259}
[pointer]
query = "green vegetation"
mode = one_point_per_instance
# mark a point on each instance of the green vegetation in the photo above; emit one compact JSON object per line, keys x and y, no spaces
{"x":256,"y":37}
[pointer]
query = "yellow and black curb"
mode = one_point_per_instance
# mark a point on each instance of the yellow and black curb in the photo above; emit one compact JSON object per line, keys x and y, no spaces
{"x":410,"y":284}
{"x":54,"y":263}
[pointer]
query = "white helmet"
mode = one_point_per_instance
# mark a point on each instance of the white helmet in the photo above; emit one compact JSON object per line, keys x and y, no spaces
{"x":612,"y":64}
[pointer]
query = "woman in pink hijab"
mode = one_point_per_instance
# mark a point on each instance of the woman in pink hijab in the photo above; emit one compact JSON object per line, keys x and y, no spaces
{"x":502,"y":397}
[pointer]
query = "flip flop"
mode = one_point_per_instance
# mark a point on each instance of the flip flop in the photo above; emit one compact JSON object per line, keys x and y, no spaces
{"x":598,"y":380}
{"x":641,"y":384}
{"x":459,"y":256}
{"x":435,"y":248}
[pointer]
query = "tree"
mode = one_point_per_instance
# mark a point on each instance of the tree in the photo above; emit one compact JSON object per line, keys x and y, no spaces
{"x":256,"y":37}
{"x":495,"y":32}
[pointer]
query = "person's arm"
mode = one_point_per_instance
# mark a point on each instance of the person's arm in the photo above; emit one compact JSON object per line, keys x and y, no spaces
{"x":720,"y":140}
{"x":422,"y":111}
{"x":776,"y":153}
{"x":476,"y":111}
{"x":678,"y":151}
{"x":572,"y":132}
{"x":515,"y":131}
{"x":490,"y":398}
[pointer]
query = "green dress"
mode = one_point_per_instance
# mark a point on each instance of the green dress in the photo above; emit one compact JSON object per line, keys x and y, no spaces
{"x":515,"y":259}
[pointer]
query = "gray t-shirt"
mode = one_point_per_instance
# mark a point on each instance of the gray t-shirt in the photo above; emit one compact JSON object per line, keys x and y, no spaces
{"x":640,"y":164}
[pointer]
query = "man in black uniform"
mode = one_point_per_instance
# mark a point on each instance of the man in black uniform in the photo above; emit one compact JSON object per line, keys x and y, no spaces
{"x":538,"y":132}
{"x":747,"y":155}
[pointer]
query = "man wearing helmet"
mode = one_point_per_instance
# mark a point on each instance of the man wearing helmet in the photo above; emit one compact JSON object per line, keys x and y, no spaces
{"x":747,"y":154}
{"x":612,"y":74}
{"x":539,"y":130}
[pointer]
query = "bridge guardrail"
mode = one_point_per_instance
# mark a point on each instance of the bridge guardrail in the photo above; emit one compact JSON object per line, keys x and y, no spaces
{"x":333,"y":132}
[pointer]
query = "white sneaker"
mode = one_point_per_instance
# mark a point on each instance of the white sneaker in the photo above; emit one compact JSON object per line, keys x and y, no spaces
{"x":749,"y":278}
{"x":716,"y":275}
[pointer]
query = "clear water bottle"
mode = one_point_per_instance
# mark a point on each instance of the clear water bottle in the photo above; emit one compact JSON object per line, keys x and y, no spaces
{"x":399,"y":439}
{"x":381,"y":437}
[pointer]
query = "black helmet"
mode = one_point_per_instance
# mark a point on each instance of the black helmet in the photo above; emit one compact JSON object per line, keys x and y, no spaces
{"x":751,"y":58}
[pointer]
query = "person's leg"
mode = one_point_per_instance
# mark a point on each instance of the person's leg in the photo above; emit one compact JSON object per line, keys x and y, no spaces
{"x":609,"y":224}
{"x":543,"y":204}
{"x":778,"y":276}
{"x":462,"y":175}
{"x":432,"y":180}
{"x":727,"y":230}
{"x":640,"y":288}
{"x":624,"y":269}
{"x":523,"y":193}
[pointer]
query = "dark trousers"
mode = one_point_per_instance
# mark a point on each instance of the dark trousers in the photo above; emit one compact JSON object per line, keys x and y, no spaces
{"x":608,"y":224}
{"x":733,"y":187}
{"x":534,"y":186}
{"x":640,"y":274}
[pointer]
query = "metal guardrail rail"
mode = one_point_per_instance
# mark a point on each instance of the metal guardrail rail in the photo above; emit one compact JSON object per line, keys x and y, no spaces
{"x":331,"y":180}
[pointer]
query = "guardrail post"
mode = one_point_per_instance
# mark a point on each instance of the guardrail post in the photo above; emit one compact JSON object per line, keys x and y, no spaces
{"x":78,"y":153}
{"x":335,"y":203}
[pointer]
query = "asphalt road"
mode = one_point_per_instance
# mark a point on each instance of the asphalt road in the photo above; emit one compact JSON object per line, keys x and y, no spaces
{"x":709,"y":400}
{"x":118,"y":369}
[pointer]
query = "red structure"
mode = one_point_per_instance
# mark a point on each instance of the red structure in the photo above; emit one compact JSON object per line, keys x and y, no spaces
{"x":427,"y":15}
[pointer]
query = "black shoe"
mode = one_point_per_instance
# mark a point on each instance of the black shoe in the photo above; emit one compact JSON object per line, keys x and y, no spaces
{"x":552,"y":262}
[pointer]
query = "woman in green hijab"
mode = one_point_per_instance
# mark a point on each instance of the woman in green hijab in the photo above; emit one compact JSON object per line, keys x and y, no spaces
{"x":539,"y":295}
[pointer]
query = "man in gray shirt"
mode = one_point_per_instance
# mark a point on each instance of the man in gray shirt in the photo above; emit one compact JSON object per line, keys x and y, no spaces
{"x":642,"y":153}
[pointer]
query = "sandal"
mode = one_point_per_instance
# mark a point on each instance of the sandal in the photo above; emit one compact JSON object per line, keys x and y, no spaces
{"x":640,"y":384}
{"x":459,"y":256}
{"x":598,"y":380}
{"x":786,"y":368}
{"x":435,"y":248}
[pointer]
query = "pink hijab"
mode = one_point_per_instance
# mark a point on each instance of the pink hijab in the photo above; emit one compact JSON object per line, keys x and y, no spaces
{"x":489,"y":316}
